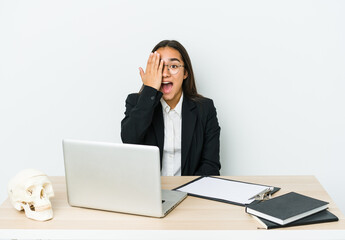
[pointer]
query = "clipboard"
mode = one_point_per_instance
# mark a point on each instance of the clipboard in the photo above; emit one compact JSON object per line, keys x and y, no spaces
{"x":232,"y":191}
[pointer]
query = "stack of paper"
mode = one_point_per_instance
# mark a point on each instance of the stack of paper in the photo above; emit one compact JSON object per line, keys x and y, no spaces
{"x":225,"y":190}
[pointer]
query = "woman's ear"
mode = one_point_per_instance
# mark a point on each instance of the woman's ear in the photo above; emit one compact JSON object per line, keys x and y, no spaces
{"x":185,"y":74}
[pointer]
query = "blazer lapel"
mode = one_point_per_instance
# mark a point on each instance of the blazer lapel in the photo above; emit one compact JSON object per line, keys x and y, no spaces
{"x":188,"y":125}
{"x":158,"y":125}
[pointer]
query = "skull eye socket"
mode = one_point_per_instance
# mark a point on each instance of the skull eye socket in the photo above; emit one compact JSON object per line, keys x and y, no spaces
{"x":29,"y":192}
{"x":42,"y":193}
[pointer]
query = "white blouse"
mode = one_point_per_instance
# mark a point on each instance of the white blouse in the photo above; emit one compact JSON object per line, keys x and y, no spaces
{"x":171,"y":164}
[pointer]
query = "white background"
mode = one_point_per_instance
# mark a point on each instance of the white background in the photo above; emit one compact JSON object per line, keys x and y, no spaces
{"x":274,"y":69}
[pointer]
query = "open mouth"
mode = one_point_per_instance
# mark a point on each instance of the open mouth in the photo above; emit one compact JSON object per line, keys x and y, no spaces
{"x":166,"y":87}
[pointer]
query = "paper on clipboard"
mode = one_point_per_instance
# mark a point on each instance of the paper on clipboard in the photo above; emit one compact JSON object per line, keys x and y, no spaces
{"x":224,"y":189}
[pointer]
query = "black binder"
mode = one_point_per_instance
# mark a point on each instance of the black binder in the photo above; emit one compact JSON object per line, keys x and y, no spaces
{"x":320,"y":217}
{"x":287,"y":208}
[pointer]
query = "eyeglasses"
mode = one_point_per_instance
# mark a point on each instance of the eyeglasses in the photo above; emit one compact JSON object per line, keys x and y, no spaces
{"x":173,"y":68}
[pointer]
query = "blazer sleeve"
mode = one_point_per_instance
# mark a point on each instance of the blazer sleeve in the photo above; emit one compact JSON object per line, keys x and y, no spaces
{"x":138,"y":115}
{"x":210,"y":163}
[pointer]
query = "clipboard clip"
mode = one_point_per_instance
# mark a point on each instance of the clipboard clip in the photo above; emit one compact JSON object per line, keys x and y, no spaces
{"x":264,"y":195}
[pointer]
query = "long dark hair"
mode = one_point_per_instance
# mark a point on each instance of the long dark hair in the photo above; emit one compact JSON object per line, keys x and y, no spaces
{"x":188,"y":85}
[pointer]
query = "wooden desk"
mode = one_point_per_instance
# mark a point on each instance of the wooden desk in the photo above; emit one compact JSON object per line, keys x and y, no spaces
{"x":193,"y":218}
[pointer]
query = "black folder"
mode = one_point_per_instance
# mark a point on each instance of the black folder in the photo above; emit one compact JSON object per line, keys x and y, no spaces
{"x":287,"y":208}
{"x":320,"y":217}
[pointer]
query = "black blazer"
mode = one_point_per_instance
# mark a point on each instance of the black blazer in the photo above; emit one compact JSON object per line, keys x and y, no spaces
{"x":144,"y":124}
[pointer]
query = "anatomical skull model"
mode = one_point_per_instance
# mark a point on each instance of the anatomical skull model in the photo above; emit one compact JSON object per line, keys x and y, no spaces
{"x":30,"y":190}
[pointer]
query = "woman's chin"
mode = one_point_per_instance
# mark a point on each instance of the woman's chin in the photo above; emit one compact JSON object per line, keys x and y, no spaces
{"x":167,"y":97}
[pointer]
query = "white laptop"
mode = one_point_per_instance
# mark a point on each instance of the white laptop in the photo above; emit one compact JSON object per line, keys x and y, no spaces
{"x":117,"y":177}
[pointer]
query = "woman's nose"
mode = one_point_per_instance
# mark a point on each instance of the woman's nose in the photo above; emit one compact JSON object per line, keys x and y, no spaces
{"x":166,"y":72}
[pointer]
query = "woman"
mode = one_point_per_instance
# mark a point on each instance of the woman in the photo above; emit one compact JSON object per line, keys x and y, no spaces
{"x":169,"y":113}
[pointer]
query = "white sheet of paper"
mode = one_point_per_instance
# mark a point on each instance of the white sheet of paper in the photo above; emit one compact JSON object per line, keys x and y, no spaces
{"x":233,"y":191}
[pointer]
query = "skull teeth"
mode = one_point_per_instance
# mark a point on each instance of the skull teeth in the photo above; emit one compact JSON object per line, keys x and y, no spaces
{"x":42,"y":208}
{"x":38,"y":214}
